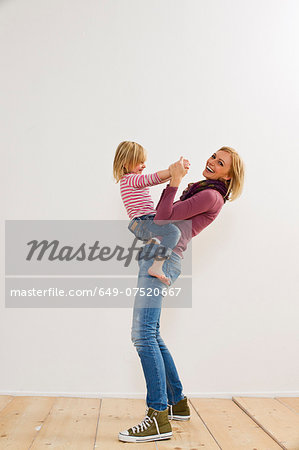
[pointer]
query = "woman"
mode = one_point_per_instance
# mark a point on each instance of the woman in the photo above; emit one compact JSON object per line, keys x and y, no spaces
{"x":200,"y":202}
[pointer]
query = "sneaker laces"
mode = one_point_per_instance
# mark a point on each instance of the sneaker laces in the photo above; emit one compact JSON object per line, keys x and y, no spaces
{"x":144,"y":424}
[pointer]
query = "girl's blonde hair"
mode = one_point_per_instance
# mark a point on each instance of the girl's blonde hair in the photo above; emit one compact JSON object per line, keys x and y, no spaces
{"x":128,"y":154}
{"x":237,"y":172}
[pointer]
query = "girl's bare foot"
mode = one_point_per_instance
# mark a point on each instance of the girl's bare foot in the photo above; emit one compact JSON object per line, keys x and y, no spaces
{"x":156,"y":271}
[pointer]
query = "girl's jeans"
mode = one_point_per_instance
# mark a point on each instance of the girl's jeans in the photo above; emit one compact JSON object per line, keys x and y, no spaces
{"x":146,"y":228}
{"x":162,"y":379}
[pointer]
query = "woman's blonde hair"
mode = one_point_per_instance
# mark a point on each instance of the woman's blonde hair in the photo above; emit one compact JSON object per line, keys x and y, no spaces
{"x":237,"y":172}
{"x":128,"y":154}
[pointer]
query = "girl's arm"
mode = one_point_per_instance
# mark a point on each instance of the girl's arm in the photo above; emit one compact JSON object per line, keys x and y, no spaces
{"x":139,"y":181}
{"x":164,"y":180}
{"x":164,"y":175}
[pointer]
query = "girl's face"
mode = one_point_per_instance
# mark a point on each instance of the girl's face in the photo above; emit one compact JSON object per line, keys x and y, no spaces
{"x":139,"y":168}
{"x":218,"y":166}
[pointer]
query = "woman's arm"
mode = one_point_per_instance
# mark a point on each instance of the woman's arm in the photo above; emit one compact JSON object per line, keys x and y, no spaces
{"x":177,"y":174}
{"x":182,"y":210}
{"x":197,"y":204}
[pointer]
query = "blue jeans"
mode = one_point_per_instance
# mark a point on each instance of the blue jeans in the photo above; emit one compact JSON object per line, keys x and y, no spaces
{"x":145,"y":228}
{"x":162,"y":379}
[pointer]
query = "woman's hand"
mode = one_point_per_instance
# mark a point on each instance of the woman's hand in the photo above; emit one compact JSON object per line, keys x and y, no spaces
{"x":178,"y":170}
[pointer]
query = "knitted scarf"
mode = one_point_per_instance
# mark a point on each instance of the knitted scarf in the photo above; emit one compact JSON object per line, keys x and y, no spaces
{"x":193,"y":188}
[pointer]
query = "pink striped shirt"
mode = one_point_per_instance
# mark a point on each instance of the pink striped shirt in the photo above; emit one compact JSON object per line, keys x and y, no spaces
{"x":134,"y":191}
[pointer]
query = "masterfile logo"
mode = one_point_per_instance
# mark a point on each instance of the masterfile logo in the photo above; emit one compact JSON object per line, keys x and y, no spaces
{"x":95,"y":263}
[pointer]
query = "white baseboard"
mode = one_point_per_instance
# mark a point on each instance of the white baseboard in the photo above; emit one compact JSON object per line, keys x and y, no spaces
{"x":142,"y":395}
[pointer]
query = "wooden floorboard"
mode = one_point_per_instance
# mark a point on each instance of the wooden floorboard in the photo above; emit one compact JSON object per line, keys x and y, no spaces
{"x":230,"y":426}
{"x":20,"y":420}
{"x":291,"y":402}
{"x":240,"y":423}
{"x":71,"y":424}
{"x":275,"y":418}
{"x":4,"y":400}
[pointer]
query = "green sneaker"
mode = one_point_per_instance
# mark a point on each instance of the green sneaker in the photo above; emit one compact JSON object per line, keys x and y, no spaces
{"x":154,"y":427}
{"x":179,"y":411}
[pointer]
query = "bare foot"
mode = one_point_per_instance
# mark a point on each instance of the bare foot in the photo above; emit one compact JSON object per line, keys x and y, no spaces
{"x":159,"y":275}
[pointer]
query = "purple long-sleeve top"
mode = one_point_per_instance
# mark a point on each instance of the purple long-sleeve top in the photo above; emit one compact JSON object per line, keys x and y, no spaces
{"x":196,"y":212}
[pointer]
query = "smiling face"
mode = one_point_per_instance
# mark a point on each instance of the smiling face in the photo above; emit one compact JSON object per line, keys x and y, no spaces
{"x":218,"y":166}
{"x":138,"y":168}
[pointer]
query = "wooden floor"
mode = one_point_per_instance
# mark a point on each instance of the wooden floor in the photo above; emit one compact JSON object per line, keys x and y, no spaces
{"x":86,"y":424}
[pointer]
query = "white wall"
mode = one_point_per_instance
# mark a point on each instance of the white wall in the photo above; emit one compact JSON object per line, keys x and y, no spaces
{"x":181,"y":78}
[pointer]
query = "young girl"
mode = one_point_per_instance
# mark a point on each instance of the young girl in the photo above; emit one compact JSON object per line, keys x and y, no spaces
{"x":129,"y":162}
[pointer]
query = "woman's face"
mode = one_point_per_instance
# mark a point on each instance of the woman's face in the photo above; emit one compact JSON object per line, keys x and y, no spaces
{"x":218,"y":166}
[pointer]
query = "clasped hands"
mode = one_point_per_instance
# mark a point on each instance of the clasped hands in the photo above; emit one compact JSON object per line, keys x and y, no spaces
{"x":180,"y":168}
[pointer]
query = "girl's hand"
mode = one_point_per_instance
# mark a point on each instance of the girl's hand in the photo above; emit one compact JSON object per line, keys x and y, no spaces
{"x":178,"y":170}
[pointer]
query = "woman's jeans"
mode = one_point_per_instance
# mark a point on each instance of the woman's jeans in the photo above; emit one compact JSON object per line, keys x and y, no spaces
{"x":145,"y":228}
{"x":162,"y":379}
